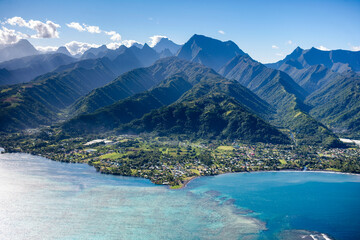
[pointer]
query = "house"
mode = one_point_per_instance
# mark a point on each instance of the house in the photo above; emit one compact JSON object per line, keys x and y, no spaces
{"x":90,"y":150}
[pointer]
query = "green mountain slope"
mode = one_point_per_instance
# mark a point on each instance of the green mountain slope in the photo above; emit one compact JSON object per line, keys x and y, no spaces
{"x":214,"y":116}
{"x":205,"y":81}
{"x":124,"y":86}
{"x":139,"y":80}
{"x":123,"y":111}
{"x":313,"y":68}
{"x":281,"y":92}
{"x":41,"y":101}
{"x":312,"y":78}
{"x":328,"y":77}
{"x":27,"y":68}
{"x":338,"y":105}
{"x":231,"y":88}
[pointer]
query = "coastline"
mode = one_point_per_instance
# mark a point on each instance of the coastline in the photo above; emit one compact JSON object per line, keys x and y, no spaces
{"x":274,"y":171}
{"x":186,"y":182}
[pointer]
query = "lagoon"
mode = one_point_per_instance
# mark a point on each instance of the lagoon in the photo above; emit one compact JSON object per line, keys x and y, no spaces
{"x":43,"y":199}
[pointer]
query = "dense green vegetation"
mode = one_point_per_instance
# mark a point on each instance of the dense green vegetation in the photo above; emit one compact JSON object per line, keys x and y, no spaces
{"x":43,"y":100}
{"x":123,"y":111}
{"x":38,"y":102}
{"x":178,"y":87}
{"x":330,"y":78}
{"x":165,"y":160}
{"x":27,"y":68}
{"x":182,"y":98}
{"x":137,"y":81}
{"x":178,"y":119}
{"x":287,"y":97}
{"x":312,"y":78}
{"x":126,"y":85}
{"x":214,"y":116}
{"x":337,"y":105}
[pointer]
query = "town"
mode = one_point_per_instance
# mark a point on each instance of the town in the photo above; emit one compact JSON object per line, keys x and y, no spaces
{"x":175,"y":162}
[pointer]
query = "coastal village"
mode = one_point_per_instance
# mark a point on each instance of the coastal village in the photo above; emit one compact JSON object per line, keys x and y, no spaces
{"x":175,"y":162}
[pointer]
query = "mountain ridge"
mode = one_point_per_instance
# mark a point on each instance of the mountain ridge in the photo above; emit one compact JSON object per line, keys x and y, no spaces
{"x":22,"y":48}
{"x":208,"y":51}
{"x":166,"y":43}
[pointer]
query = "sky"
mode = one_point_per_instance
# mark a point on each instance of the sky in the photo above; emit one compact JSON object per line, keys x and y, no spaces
{"x":266,"y":30}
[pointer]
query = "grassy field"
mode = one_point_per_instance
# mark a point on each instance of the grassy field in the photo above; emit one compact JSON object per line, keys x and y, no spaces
{"x":111,"y":156}
{"x":226,"y":148}
{"x":333,"y":169}
{"x":195,"y":171}
{"x":282,"y":161}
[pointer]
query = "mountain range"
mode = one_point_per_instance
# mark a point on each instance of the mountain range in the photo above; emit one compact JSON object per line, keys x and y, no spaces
{"x":331,"y":78}
{"x":205,"y":88}
{"x":20,"y":49}
{"x":166,"y":43}
{"x":24,"y":69}
{"x":41,"y":100}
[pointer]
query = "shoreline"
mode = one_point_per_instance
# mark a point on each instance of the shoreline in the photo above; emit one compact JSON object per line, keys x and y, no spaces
{"x":274,"y":171}
{"x":184,"y":185}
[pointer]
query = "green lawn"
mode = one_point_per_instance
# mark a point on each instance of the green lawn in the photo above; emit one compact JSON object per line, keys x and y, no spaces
{"x":112,"y":156}
{"x":226,"y":148}
{"x":333,"y":169}
{"x":195,"y":171}
{"x":282,"y":161}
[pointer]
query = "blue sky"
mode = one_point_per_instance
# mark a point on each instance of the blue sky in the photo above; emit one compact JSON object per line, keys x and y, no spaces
{"x":267,"y":30}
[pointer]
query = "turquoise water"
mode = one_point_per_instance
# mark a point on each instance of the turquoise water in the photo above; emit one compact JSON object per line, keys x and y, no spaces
{"x":43,"y":199}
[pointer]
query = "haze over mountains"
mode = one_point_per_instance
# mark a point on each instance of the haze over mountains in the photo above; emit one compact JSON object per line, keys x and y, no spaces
{"x":166,"y":43}
{"x":209,"y":52}
{"x":20,"y":49}
{"x":205,"y":88}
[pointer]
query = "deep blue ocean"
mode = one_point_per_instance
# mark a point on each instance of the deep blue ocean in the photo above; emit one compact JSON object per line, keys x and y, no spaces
{"x":43,"y":199}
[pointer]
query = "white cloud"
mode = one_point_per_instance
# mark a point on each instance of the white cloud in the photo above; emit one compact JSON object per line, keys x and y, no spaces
{"x":221,"y":32}
{"x":279,"y":54}
{"x":83,"y":27}
{"x":46,"y":48}
{"x":17,"y":21}
{"x":127,"y":43}
{"x":92,"y":29}
{"x":355,"y":48}
{"x":113,"y":45}
{"x":274,"y":47}
{"x":289,"y":42}
{"x":75,"y":47}
{"x":43,"y":30}
{"x":322,"y":48}
{"x":114,"y":36}
{"x":9,"y":36}
{"x":76,"y":25}
{"x":155,"y":39}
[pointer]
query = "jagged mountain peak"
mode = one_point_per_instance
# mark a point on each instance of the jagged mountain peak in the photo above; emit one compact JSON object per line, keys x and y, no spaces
{"x":63,"y":50}
{"x":209,"y":51}
{"x":166,"y":43}
{"x":22,"y":48}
